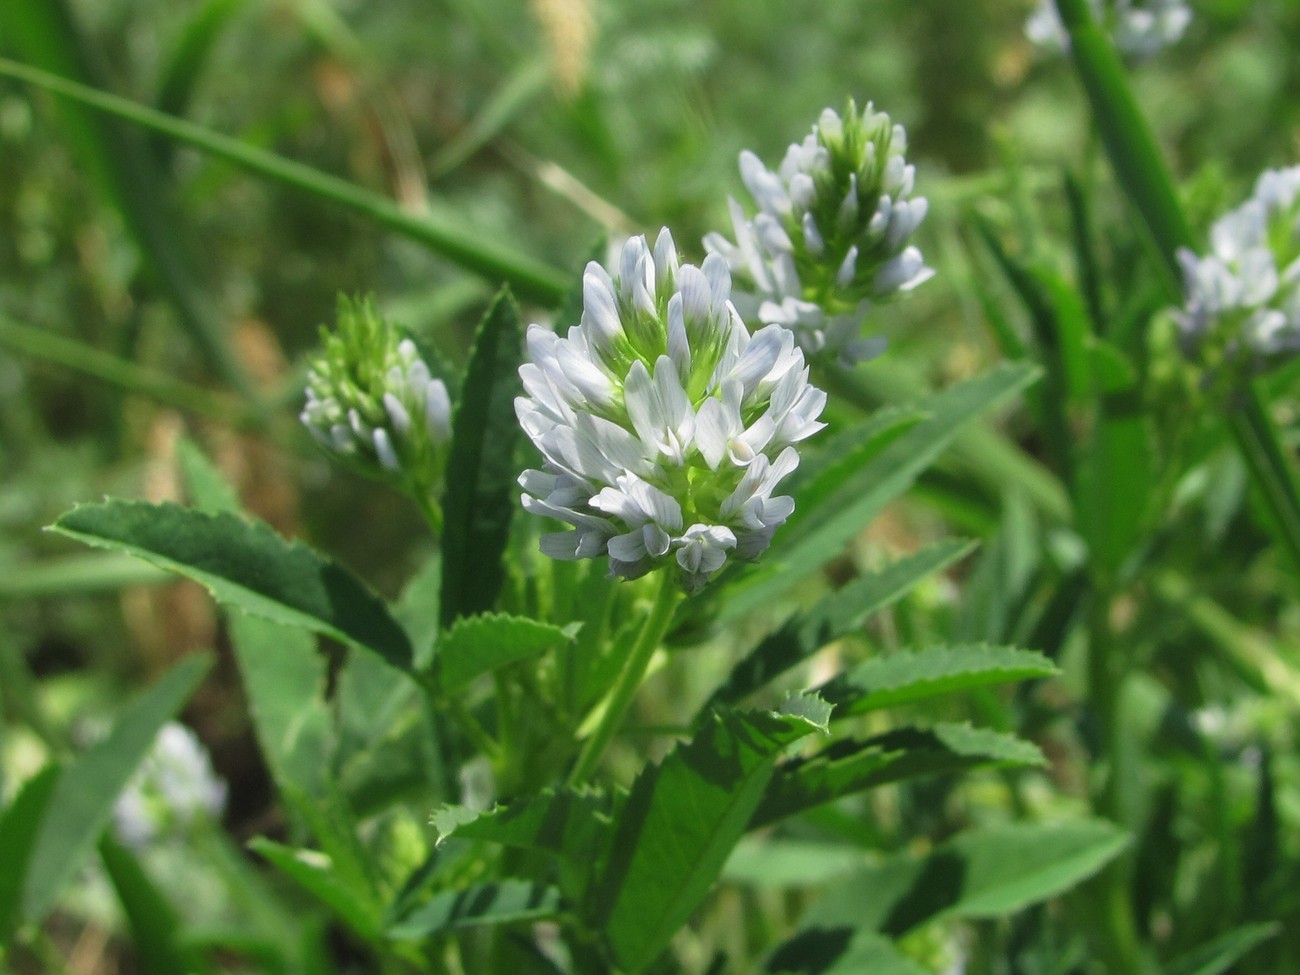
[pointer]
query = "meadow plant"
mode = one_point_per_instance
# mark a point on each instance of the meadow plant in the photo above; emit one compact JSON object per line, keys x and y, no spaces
{"x":664,"y":425}
{"x":646,"y":696}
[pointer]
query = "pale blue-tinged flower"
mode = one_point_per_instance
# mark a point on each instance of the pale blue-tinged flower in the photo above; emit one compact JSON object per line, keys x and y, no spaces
{"x":1242,"y":305}
{"x":1140,"y":29}
{"x":665,"y":427}
{"x":373,"y":402}
{"x":831,"y":235}
{"x":173,"y":787}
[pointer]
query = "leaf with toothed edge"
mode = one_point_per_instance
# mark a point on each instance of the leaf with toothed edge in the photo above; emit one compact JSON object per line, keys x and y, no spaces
{"x":681,"y":821}
{"x":246,"y":565}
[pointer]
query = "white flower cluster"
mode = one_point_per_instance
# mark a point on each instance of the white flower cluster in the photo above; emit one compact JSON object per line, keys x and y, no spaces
{"x":831,"y":233}
{"x":372,"y":400}
{"x":1140,"y":29}
{"x":174,"y":786}
{"x":664,"y":425}
{"x":1243,"y":298}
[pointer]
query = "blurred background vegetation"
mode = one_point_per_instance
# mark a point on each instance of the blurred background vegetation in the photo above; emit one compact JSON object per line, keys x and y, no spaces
{"x":148,"y":291}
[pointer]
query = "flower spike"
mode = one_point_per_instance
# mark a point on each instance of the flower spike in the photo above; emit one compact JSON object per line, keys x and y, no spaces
{"x":1242,"y":307}
{"x":665,"y":427}
{"x":831,"y":235}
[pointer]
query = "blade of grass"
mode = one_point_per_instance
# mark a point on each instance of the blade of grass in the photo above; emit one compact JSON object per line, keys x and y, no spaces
{"x":439,"y":228}
{"x":126,"y":172}
{"x":122,"y":373}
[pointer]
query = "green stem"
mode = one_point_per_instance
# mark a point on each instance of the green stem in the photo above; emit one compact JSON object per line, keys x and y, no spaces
{"x":1112,"y":903}
{"x":986,"y":453}
{"x":1129,"y":143}
{"x":453,"y":705}
{"x":1257,"y":440}
{"x":616,"y":703}
{"x":439,"y":230}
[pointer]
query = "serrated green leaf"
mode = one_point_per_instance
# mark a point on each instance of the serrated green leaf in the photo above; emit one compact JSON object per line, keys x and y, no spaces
{"x":315,"y":873}
{"x":1217,"y":956}
{"x":853,"y":766}
{"x":481,"y":488}
{"x":842,"y":612}
{"x":477,"y":645}
{"x":505,"y":902}
{"x":566,"y":824}
{"x":245,"y":565}
{"x":815,"y":535}
{"x":840,"y":951}
{"x":679,"y":825}
{"x":83,"y":798}
{"x":988,"y":872}
{"x":19,"y":826}
{"x":907,"y":677}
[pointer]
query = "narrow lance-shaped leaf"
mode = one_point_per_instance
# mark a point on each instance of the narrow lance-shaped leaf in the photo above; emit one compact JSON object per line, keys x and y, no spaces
{"x":314,"y":873}
{"x":155,"y":926}
{"x":681,"y":821}
{"x":82,"y":801}
{"x":988,"y":872}
{"x":814,"y":536}
{"x":248,"y":566}
{"x":904,"y":678}
{"x":19,"y":825}
{"x":905,"y":753}
{"x":481,"y":480}
{"x":1219,"y":955}
{"x":838,"y":614}
{"x":504,"y":902}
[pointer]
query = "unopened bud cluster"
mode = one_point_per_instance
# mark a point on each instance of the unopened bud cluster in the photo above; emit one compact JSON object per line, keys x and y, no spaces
{"x":372,"y":401}
{"x":664,"y":425}
{"x":1242,"y":306}
{"x":831,"y":235}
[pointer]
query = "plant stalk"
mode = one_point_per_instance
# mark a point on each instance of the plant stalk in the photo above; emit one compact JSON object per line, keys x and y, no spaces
{"x":615,"y":705}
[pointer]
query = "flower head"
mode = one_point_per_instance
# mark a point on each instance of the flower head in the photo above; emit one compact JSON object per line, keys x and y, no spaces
{"x":173,"y":787}
{"x":1141,"y":29}
{"x":664,"y":425}
{"x":831,"y":232}
{"x":1242,"y":305}
{"x":372,"y":400}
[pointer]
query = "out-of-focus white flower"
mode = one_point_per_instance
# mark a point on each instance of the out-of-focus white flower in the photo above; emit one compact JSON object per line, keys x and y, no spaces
{"x":372,"y":400}
{"x":665,"y":426}
{"x":1242,"y":306}
{"x":1140,"y":29}
{"x":831,"y":235}
{"x":173,"y":786}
